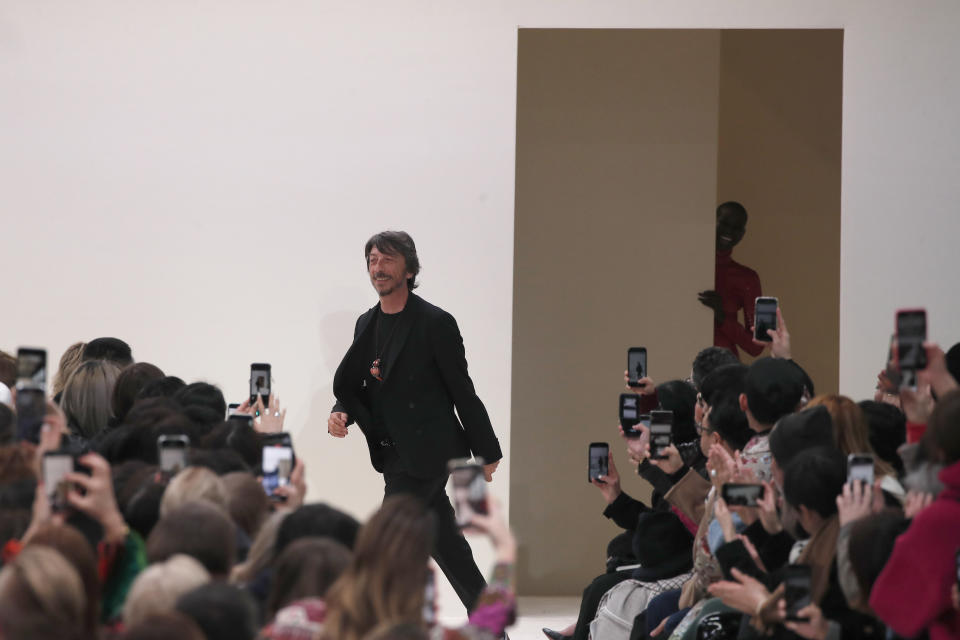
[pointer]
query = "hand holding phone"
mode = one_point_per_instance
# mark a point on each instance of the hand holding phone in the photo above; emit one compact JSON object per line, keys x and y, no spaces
{"x":741,"y":495}
{"x":909,"y":354}
{"x":598,"y":461}
{"x":277,"y":462}
{"x":797,"y":580}
{"x":172,"y":453}
{"x":661,"y":429}
{"x":260,"y":383}
{"x":860,"y":468}
{"x":764,"y":318}
{"x":469,"y":489}
{"x":630,"y":416}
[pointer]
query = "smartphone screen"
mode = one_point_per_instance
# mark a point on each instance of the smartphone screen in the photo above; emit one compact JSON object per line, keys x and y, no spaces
{"x":797,"y":590}
{"x":278,"y":461}
{"x":232,"y":408}
{"x":260,"y":382}
{"x":172,"y":451}
{"x":636,"y":365}
{"x":911,"y":334}
{"x":31,"y":368}
{"x":56,"y":466}
{"x":661,"y":427}
{"x":31,"y":410}
{"x":741,"y":495}
{"x":630,"y":414}
{"x":764,"y":318}
{"x":599,"y":460}
{"x":860,"y":467}
{"x":241,"y":418}
{"x":469,"y":490}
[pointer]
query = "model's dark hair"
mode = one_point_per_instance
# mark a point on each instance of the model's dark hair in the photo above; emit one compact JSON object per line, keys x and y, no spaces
{"x":814,"y":479}
{"x":113,"y":349}
{"x":734,"y":207}
{"x":707,"y":361}
{"x":396,"y":243}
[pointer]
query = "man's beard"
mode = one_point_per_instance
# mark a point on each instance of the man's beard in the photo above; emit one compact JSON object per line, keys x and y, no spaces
{"x":385,"y":292}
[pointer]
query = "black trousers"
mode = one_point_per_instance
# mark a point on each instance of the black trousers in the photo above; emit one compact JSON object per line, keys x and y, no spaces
{"x":451,"y":550}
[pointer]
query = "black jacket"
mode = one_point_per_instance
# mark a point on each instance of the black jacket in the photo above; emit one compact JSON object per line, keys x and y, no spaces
{"x":424,"y":378}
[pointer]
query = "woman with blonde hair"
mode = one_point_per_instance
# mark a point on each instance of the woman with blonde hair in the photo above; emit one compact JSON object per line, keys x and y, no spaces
{"x":41,"y":597}
{"x":69,"y":361}
{"x":158,"y":587}
{"x":192,"y":484}
{"x":87,"y":398}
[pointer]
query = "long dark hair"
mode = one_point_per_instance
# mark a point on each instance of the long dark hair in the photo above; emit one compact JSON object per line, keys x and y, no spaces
{"x":396,"y":243}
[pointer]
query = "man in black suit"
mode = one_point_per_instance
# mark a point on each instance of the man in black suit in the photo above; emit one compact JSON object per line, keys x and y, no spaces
{"x":400,"y":381}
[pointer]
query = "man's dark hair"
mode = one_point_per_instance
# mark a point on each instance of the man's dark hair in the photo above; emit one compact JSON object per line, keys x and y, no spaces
{"x":198,"y":529}
{"x":680,"y":398}
{"x":222,"y":611}
{"x":396,"y":243}
{"x":163,"y":626}
{"x":113,"y":349}
{"x":953,"y":361}
{"x":203,"y":403}
{"x":814,"y":479}
{"x":733,"y":207}
{"x":237,"y":436}
{"x":942,"y":435}
{"x":8,"y":369}
{"x":166,"y":387}
{"x":887,"y":430}
{"x":317,"y":520}
{"x":773,"y":387}
{"x":730,"y":422}
{"x":707,"y":361}
{"x":726,"y":381}
{"x":129,"y":384}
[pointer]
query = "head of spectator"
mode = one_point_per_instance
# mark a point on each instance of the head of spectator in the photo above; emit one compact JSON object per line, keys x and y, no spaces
{"x":811,"y":483}
{"x":726,"y":381}
{"x":163,"y":626}
{"x":680,"y":398}
{"x":166,"y":387}
{"x":797,"y":432}
{"x":69,"y":361}
{"x":317,"y":520}
{"x":8,"y":369}
{"x":871,"y":544}
{"x":75,"y":549}
{"x":136,"y":438}
{"x":247,"y":502}
{"x":17,"y":462}
{"x":953,"y":361}
{"x":111,"y":349}
{"x":386,"y":579}
{"x":887,"y":428}
{"x":238,"y":436}
{"x":198,"y":529}
{"x":142,"y":511}
{"x":191,"y":484}
{"x":220,"y":461}
{"x":203,"y":403}
{"x":707,"y":361}
{"x":725,"y":425}
{"x":772,"y":389}
{"x":159,"y":586}
{"x":851,"y":428}
{"x":306,"y":569}
{"x":129,"y":384}
{"x":16,"y":502}
{"x":41,"y":597}
{"x":8,"y":421}
{"x":87,"y":398}
{"x":262,"y":550}
{"x":943,"y":434}
{"x":222,"y":611}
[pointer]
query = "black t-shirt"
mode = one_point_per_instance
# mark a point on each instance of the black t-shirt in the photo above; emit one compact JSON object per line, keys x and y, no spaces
{"x":374,"y":346}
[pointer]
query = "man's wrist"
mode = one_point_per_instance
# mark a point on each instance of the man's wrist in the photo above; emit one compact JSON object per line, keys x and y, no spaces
{"x":115,"y":529}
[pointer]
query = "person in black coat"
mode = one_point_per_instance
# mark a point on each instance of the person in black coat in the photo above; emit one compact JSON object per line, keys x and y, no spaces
{"x":399,"y":382}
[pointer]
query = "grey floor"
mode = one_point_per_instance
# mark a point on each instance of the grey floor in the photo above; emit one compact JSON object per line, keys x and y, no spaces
{"x":535,"y":613}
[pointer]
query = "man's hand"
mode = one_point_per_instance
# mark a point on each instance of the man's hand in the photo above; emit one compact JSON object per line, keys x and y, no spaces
{"x":671,"y":464}
{"x":724,"y":517}
{"x":638,"y":449}
{"x":488,"y":470}
{"x":271,"y":416}
{"x":495,"y":526}
{"x":609,"y":484}
{"x":713,"y":300}
{"x":858,"y":500}
{"x":337,"y":424}
{"x":917,"y":405}
{"x":746,"y":594}
{"x":645,"y":386}
{"x":816,"y":626}
{"x":915,"y":503}
{"x":780,"y":338}
{"x":99,"y":502}
{"x":767,"y":510}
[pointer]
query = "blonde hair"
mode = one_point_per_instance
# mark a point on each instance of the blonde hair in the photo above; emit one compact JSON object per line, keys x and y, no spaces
{"x":41,"y":592}
{"x":69,"y":361}
{"x":88,"y":396}
{"x":261,"y":551}
{"x":157,"y":589}
{"x":851,"y":428}
{"x":192,"y":484}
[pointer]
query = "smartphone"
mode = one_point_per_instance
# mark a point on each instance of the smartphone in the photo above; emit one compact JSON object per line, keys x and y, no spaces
{"x":31,"y":368}
{"x":909,"y":354}
{"x":797,"y":590}
{"x":630,"y":415}
{"x":764,"y":318}
{"x":31,"y":410}
{"x":260,"y":382}
{"x":661,"y":428}
{"x":741,"y":495}
{"x":636,"y":365}
{"x":860,"y":467}
{"x":56,"y":466}
{"x":469,"y":489}
{"x":278,"y":461}
{"x":232,"y":408}
{"x":172,"y":453}
{"x":598,"y":460}
{"x":241,"y":418}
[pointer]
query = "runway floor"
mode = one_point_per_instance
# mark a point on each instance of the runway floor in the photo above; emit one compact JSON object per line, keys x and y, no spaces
{"x":536,"y":613}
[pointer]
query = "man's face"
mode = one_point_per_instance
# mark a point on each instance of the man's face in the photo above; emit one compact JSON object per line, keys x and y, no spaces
{"x":731,"y":228}
{"x":388,"y":271}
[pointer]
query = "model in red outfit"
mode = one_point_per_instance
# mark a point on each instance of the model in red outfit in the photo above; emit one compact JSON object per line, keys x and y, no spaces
{"x":912,"y":593}
{"x":736,"y":286}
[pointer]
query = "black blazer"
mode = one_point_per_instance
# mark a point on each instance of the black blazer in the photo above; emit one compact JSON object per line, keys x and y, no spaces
{"x":424,"y":378}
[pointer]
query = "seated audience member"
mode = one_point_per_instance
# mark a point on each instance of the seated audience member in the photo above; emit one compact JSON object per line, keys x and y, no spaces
{"x":69,"y":361}
{"x":222,"y":611}
{"x":42,"y":597}
{"x":159,"y":586}
{"x":110,"y":349}
{"x":306,"y":569}
{"x":166,"y":387}
{"x":164,"y":626}
{"x":128,"y":386}
{"x":198,"y":529}
{"x":887,"y":428}
{"x":192,"y":484}
{"x":317,"y":520}
{"x":922,"y":568}
{"x":247,"y":502}
{"x":203,"y":403}
{"x":87,"y":398}
{"x":385,"y":583}
{"x":239,"y":437}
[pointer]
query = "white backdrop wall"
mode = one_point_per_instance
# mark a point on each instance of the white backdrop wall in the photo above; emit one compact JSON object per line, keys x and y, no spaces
{"x":198,"y":177}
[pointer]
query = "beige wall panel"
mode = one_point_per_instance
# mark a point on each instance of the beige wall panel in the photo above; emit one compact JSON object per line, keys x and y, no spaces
{"x":616,"y":181}
{"x":780,"y":126}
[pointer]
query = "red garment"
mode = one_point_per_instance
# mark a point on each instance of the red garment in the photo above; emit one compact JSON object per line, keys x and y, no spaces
{"x":912,"y":593}
{"x":739,"y":287}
